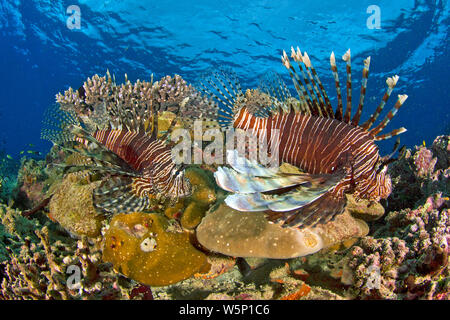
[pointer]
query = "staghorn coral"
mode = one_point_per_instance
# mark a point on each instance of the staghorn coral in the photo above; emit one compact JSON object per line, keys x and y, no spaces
{"x":97,"y":100}
{"x":144,"y":247}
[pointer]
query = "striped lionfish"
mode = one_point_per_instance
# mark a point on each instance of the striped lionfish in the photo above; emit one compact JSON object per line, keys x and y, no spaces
{"x":136,"y":163}
{"x":334,"y":153}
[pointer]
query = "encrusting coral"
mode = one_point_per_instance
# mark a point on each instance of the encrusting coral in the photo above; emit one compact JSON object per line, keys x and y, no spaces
{"x":190,"y":211}
{"x":72,"y":207}
{"x":145,"y":248}
{"x":249,"y":234}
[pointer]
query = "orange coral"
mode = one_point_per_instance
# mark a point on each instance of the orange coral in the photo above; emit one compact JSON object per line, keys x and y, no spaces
{"x":303,"y":291}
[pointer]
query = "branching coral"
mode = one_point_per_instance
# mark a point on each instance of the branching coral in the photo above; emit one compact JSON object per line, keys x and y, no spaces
{"x":43,"y":263}
{"x":96,"y":101}
{"x":411,"y":259}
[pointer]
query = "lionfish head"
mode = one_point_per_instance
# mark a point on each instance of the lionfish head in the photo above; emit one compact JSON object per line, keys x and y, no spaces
{"x":377,"y":186}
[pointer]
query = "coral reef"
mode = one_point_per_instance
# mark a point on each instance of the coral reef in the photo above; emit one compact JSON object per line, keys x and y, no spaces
{"x":145,"y":248}
{"x":41,"y":258}
{"x":72,"y":206}
{"x":419,"y":174}
{"x":407,"y":258}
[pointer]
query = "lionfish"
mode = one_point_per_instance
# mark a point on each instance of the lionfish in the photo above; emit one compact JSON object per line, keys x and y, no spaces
{"x":334,"y":153}
{"x":136,"y":164}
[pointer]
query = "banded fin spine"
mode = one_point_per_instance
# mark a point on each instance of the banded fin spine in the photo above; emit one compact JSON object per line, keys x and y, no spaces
{"x":401,"y":99}
{"x":348,"y":111}
{"x":299,"y":58}
{"x":391,"y":82}
{"x":365,"y":76}
{"x":339,"y":114}
{"x":329,"y":108}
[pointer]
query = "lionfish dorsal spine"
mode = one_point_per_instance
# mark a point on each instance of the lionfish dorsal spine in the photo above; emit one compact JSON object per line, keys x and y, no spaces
{"x":348,"y":111}
{"x":365,"y":76}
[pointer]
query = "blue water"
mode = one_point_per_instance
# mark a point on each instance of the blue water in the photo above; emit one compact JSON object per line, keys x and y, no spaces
{"x":41,"y":56}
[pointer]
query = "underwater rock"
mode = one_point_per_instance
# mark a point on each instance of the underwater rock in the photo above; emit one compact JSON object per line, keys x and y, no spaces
{"x":249,"y":234}
{"x":140,"y":246}
{"x":72,"y":207}
{"x":31,"y":183}
{"x":364,"y":209}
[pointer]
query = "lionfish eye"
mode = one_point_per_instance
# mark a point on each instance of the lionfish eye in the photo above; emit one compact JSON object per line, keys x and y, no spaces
{"x":380,"y":166}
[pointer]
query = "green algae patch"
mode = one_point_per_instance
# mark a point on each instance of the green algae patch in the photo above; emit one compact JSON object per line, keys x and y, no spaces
{"x":72,"y":207}
{"x":141,"y":247}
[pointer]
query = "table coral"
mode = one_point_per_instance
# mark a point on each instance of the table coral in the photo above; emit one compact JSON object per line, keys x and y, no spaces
{"x":141,"y":247}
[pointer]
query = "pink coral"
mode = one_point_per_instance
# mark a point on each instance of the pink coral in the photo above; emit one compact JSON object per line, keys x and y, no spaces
{"x":424,"y":162}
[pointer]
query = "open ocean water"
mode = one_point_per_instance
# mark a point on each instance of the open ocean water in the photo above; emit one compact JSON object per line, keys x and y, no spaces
{"x":46,"y":47}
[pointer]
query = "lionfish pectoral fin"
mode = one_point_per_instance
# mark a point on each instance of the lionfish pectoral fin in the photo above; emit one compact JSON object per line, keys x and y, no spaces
{"x":260,"y":194}
{"x":234,"y":181}
{"x":319,"y":211}
{"x":118,"y":194}
{"x":224,"y":89}
{"x":248,"y":167}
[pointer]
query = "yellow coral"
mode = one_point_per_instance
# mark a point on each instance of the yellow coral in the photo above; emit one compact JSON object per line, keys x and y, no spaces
{"x":194,"y":208}
{"x":140,"y":246}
